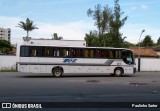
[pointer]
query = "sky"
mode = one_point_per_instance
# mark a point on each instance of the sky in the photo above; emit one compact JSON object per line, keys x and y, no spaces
{"x":68,"y":18}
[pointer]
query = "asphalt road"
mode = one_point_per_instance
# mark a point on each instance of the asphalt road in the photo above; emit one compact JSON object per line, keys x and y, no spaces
{"x":23,"y":87}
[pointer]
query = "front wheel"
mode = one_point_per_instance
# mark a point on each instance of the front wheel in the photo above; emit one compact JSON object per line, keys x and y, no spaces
{"x":118,"y":72}
{"x":57,"y":72}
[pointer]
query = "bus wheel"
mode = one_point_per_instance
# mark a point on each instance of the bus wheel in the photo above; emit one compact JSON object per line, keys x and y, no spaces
{"x":57,"y":72}
{"x":118,"y":72}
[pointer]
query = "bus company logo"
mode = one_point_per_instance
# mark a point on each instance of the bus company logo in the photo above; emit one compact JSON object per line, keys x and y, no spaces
{"x":68,"y":60}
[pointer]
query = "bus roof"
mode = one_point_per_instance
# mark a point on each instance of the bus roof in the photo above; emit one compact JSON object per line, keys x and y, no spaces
{"x":73,"y":43}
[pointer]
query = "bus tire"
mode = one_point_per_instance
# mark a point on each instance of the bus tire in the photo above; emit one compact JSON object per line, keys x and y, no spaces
{"x":57,"y":72}
{"x":118,"y":72}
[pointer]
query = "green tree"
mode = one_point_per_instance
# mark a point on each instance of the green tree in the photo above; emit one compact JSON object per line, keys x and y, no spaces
{"x":55,"y":37}
{"x":92,"y":39}
{"x":5,"y":46}
{"x":101,"y":17}
{"x":4,"y":43}
{"x":158,"y":41}
{"x":116,"y":23}
{"x":147,"y":41}
{"x":108,"y":22}
{"x":27,"y":26}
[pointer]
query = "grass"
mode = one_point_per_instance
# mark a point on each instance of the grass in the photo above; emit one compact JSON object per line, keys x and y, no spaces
{"x":8,"y":70}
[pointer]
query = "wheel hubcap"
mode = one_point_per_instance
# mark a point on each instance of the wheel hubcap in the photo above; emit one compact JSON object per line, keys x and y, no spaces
{"x":57,"y":72}
{"x":118,"y":72}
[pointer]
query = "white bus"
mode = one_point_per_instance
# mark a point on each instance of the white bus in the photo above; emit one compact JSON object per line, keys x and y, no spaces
{"x":60,"y":60}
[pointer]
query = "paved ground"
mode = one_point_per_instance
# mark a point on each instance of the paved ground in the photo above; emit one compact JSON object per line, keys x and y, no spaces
{"x":23,"y":87}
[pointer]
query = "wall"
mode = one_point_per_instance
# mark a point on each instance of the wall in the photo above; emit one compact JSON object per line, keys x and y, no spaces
{"x":136,"y":60}
{"x":7,"y":62}
{"x":150,"y":64}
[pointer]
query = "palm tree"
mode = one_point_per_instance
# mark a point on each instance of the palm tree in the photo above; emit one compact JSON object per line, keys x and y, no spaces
{"x":27,"y":26}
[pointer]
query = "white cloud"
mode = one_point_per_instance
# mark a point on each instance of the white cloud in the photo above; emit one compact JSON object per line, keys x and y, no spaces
{"x":9,"y":22}
{"x":133,"y":31}
{"x":144,"y":7}
{"x":72,"y":31}
{"x":133,"y":8}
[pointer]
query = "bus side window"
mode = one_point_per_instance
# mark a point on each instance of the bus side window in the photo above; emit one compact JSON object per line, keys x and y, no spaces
{"x":117,"y":54}
{"x":86,"y":53}
{"x":72,"y":52}
{"x":64,"y":52}
{"x":34,"y":52}
{"x":67,"y":53}
{"x":43,"y":52}
{"x":89,"y":53}
{"x":24,"y":51}
{"x":56,"y":52}
{"x":105,"y":54}
{"x":79,"y":53}
{"x":98,"y":53}
{"x":92,"y":53}
{"x":51,"y":52}
{"x":111,"y":54}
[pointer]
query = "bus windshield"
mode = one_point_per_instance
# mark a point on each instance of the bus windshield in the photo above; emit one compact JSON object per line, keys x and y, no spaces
{"x":128,"y":57}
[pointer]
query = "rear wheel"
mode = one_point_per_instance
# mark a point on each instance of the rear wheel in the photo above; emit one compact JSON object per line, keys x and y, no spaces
{"x":57,"y":72}
{"x":118,"y":72}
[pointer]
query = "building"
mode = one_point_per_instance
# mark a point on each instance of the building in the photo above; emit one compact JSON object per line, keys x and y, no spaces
{"x":5,"y":34}
{"x":157,"y":50}
{"x":144,"y":52}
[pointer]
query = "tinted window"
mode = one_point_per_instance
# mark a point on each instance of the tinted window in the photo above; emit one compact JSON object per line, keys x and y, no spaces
{"x":64,"y":52}
{"x":89,"y":53}
{"x":105,"y":53}
{"x":108,"y":53}
{"x":75,"y":52}
{"x":102,"y":53}
{"x":47,"y":51}
{"x":98,"y":53}
{"x":79,"y":53}
{"x":34,"y":51}
{"x":115,"y":54}
{"x":24,"y":51}
{"x":56,"y":52}
{"x":118,"y":54}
